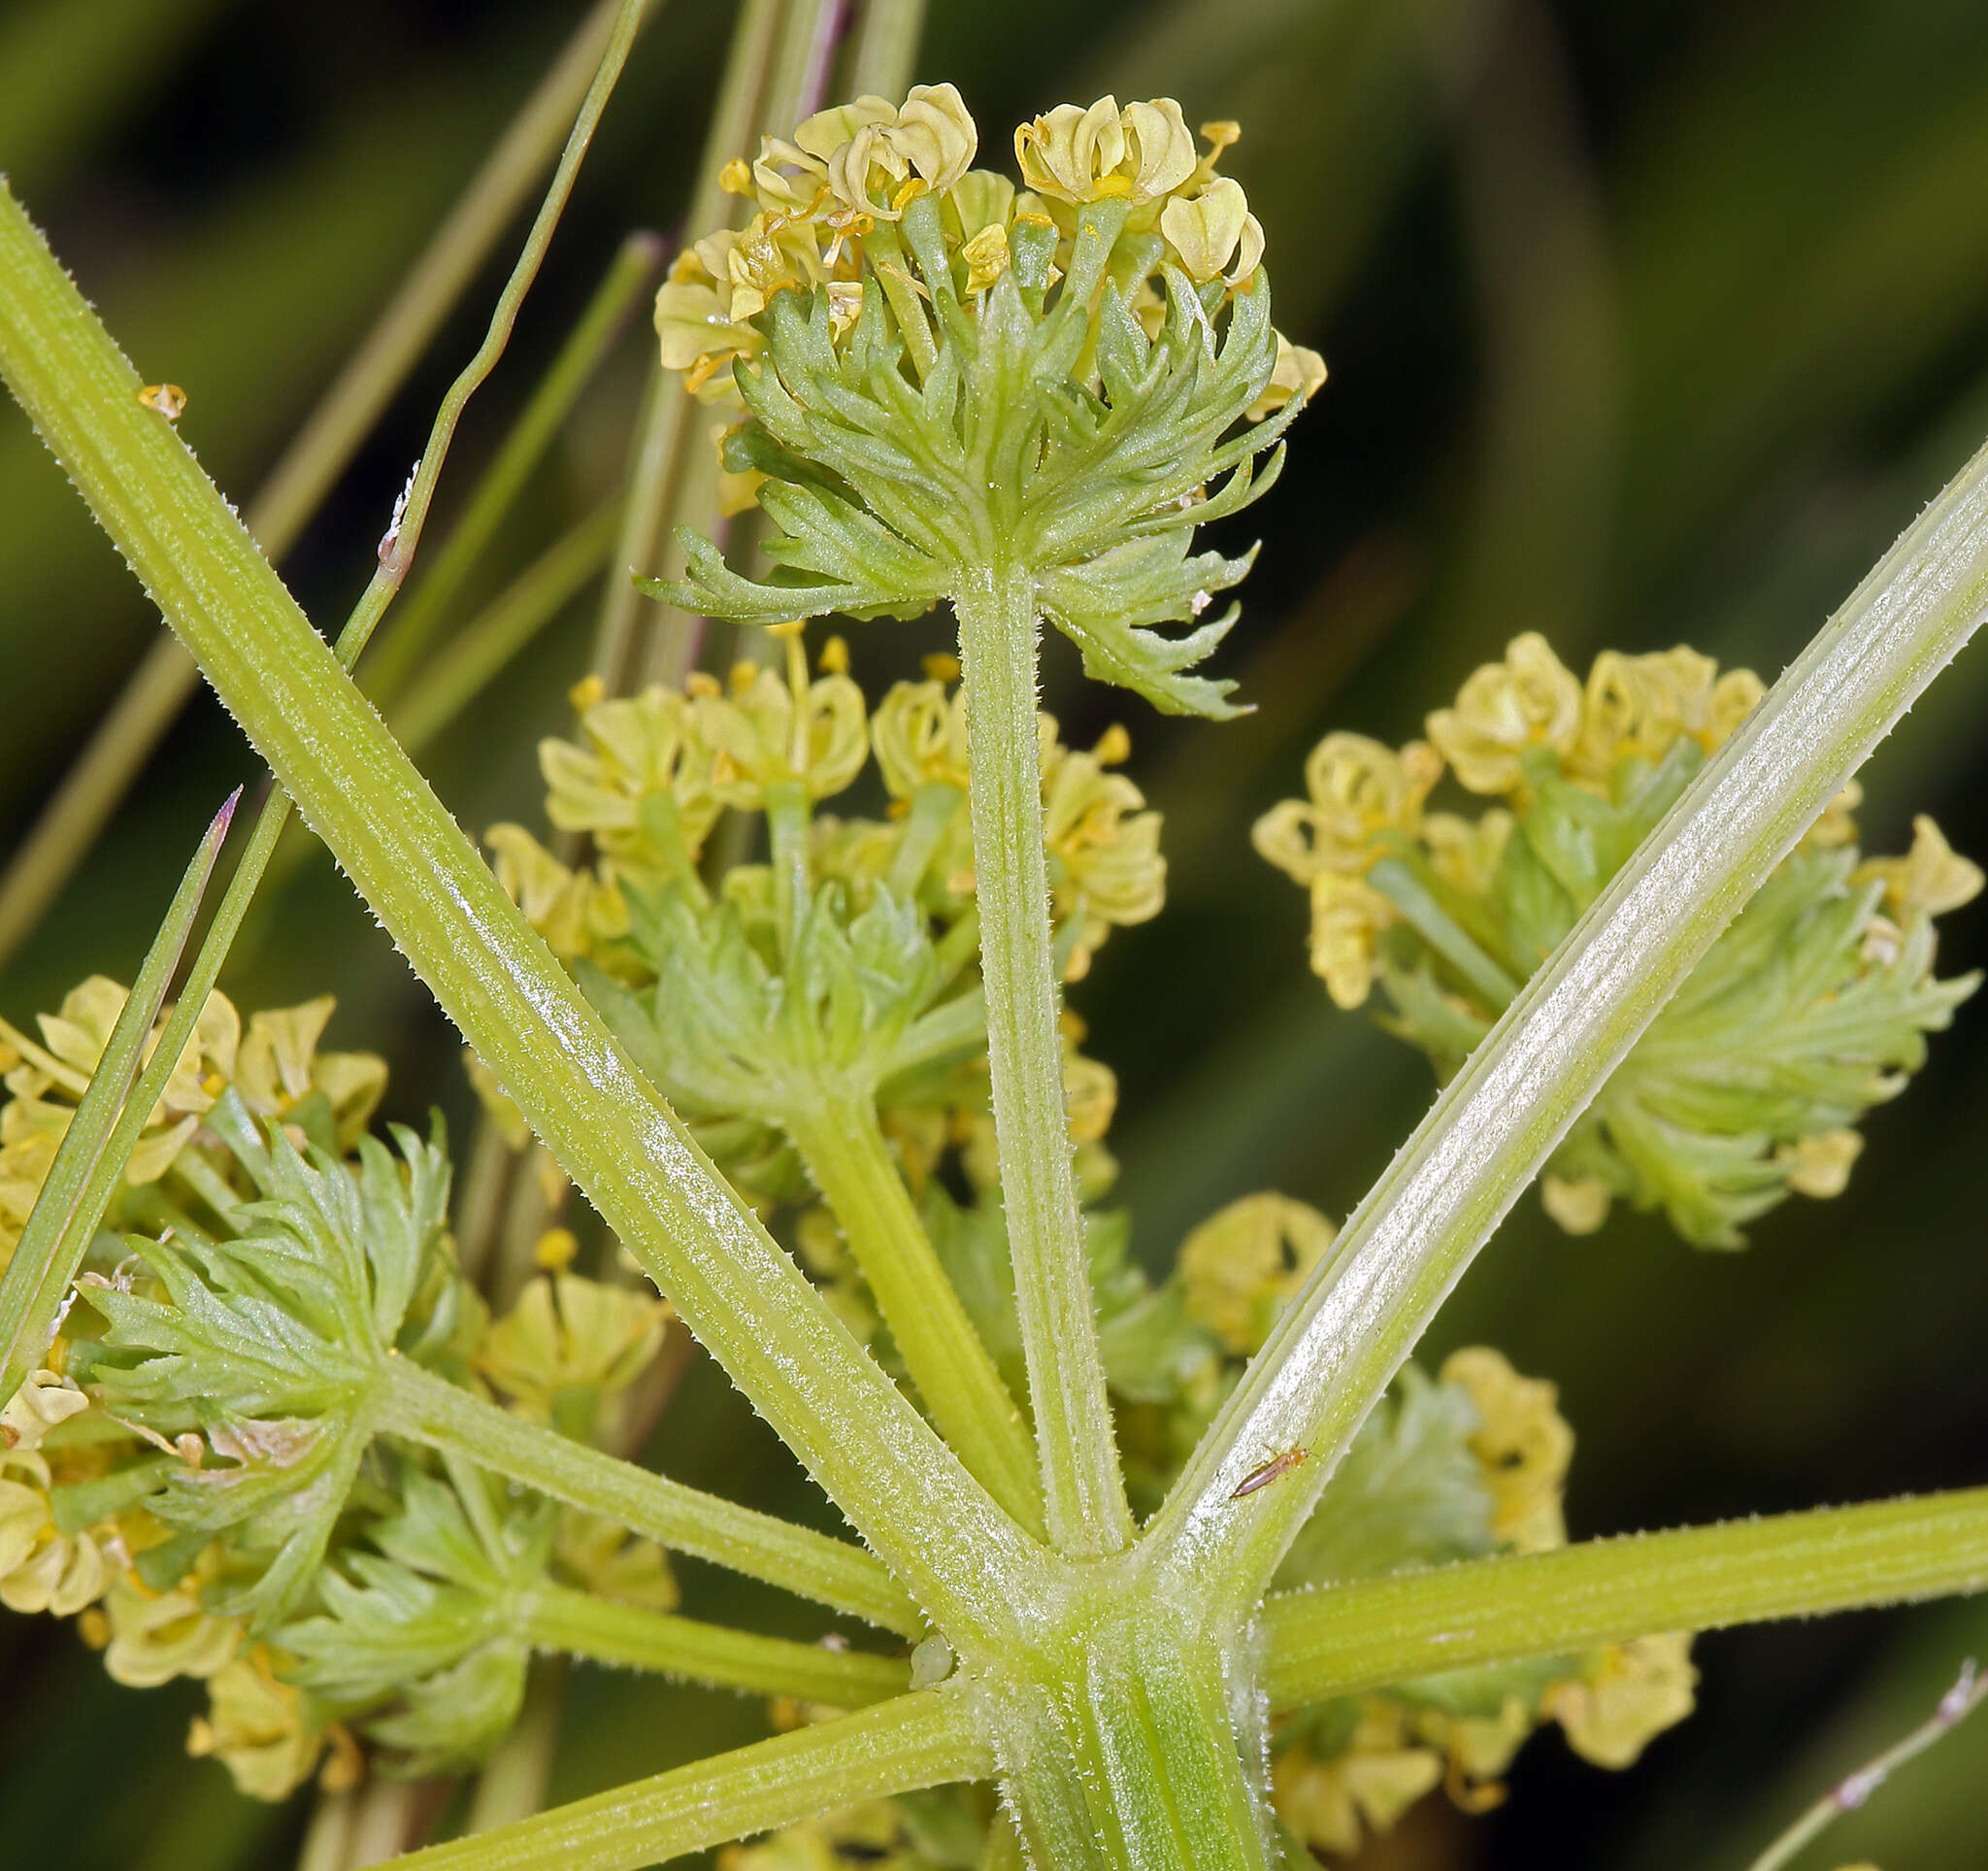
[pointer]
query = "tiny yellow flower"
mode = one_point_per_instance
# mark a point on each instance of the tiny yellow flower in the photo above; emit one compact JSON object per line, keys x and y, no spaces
{"x":1331,"y":1805}
{"x":920,"y":732}
{"x":1240,"y":1265}
{"x":41,"y":1567}
{"x":636,"y":751}
{"x":1300,"y":371}
{"x":1580,"y":1204}
{"x":1820,"y":1166}
{"x":1208,"y":231}
{"x":776,"y":729}
{"x":1503,"y":710}
{"x":1629,"y":1694}
{"x":1359,"y":790}
{"x":1140,"y":155}
{"x":571,"y":909}
{"x":1524,"y":1443}
{"x":570,"y":1335}
{"x":44,"y":1400}
{"x":259,"y":1728}
{"x":1106,"y":866}
{"x":1347,"y":915}
{"x":155,"y":1636}
{"x":1931,"y":878}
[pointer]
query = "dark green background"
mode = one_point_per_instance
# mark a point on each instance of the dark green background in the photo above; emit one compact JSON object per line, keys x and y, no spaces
{"x":1648,"y":322}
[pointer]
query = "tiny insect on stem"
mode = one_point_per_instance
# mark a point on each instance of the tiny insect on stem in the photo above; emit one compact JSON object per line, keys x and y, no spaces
{"x":1275,"y":1469}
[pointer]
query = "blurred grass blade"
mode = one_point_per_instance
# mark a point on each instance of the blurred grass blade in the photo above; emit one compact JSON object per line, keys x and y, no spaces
{"x":474,"y":655}
{"x":420,"y":614}
{"x":108,"y":765}
{"x":1854,"y":1790}
{"x":97,"y":1144}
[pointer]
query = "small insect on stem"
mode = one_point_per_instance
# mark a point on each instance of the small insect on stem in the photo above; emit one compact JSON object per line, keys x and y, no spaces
{"x":1275,"y":1469}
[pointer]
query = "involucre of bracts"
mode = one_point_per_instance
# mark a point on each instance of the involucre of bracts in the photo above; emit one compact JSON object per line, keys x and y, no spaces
{"x":941,"y":376}
{"x":1811,"y":1007}
{"x":255,"y":1348}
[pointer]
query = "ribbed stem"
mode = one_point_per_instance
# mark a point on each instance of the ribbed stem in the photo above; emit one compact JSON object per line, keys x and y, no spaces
{"x":924,"y":1739}
{"x":632,"y":1637}
{"x":843,"y":1148}
{"x":1341,"y":1640}
{"x":428,"y":1410}
{"x":1076,"y":1445}
{"x":1343,"y":1337}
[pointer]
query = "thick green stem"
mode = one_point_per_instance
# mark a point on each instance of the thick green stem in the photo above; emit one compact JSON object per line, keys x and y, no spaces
{"x":1344,"y":1336}
{"x":925,"y":1739}
{"x":845,"y":1151}
{"x":1343,"y":1639}
{"x":1074,"y":1439}
{"x":442,"y":1416}
{"x":1119,"y":1747}
{"x":630,"y":1637}
{"x":907,"y":1493}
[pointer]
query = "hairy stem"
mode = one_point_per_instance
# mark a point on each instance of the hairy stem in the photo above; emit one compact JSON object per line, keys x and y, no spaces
{"x":1075,"y":1441}
{"x":631,"y":1637}
{"x":924,"y":1739}
{"x":906,"y":1492}
{"x":1343,"y":1639}
{"x":1346,"y":1333}
{"x":845,"y":1151}
{"x":428,"y":1410}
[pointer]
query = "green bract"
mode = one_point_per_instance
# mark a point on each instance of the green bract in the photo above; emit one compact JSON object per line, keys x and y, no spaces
{"x":270,"y":1336}
{"x":1045,"y":433}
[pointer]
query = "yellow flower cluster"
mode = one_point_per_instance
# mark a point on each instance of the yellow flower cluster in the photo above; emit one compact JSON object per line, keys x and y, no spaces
{"x":653,"y":772}
{"x":1241,"y":1266}
{"x":273,"y":1066}
{"x":825,"y":204}
{"x":1360,"y":1778}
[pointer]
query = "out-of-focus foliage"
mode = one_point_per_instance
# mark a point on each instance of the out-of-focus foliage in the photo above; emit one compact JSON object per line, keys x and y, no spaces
{"x":1647,"y":323}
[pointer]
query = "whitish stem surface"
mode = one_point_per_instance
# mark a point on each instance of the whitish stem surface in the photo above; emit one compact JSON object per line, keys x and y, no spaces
{"x":1345,"y":1335}
{"x":1079,"y":1453}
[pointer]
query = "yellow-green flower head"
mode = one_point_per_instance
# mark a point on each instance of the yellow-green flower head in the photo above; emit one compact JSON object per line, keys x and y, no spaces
{"x":1104,"y":862}
{"x":919,"y":731}
{"x":637,"y":749}
{"x":45,"y":1401}
{"x":1812,"y":1007}
{"x":1360,"y":790}
{"x":1524,"y":1443}
{"x":1140,"y":155}
{"x":1241,"y":1266}
{"x":773,"y":729}
{"x":1529,"y":700}
{"x":891,"y":320}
